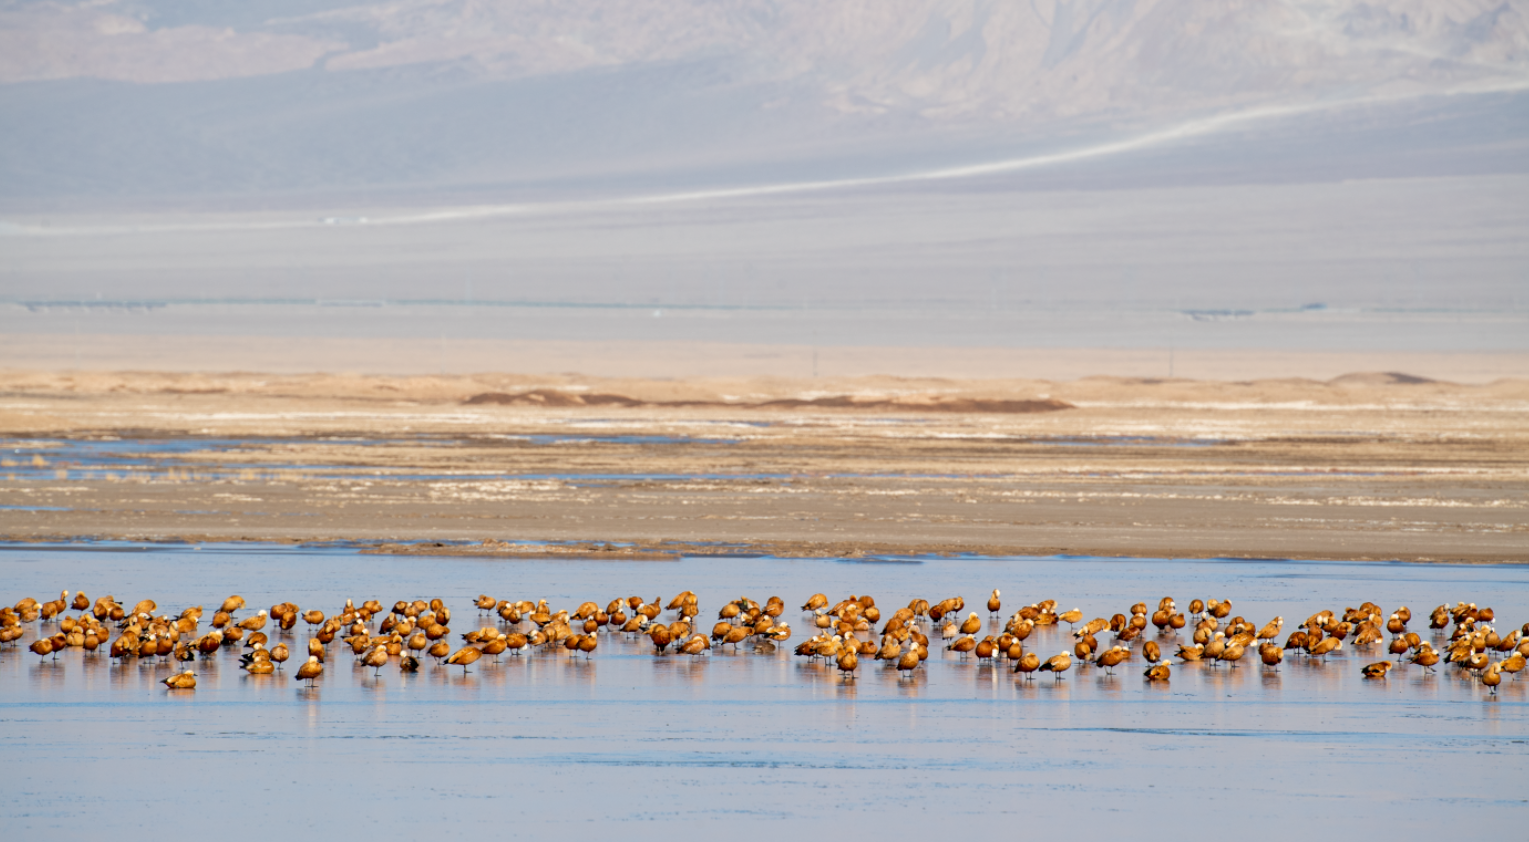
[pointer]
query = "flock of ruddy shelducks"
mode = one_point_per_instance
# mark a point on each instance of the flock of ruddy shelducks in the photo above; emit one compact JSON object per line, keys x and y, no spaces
{"x":845,"y":633}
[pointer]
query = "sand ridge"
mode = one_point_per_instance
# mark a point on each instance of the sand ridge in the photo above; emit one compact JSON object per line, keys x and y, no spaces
{"x":782,"y":392}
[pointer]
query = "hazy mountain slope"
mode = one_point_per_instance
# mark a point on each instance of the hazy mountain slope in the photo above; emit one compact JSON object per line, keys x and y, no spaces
{"x":205,"y":97}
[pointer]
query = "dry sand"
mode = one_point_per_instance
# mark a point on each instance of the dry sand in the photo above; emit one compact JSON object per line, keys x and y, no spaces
{"x":1368,"y":466}
{"x":106,"y":352}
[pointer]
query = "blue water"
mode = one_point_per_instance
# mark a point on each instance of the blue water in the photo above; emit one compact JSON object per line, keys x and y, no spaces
{"x":101,"y":459}
{"x":1123,"y":441}
{"x":85,"y":459}
{"x":754,"y":740}
{"x":566,"y":438}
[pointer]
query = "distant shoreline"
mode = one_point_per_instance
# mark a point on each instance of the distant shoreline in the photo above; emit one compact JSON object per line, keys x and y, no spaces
{"x":859,"y":552}
{"x":601,"y":357}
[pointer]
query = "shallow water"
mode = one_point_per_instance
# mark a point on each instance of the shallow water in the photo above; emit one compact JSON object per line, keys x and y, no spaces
{"x":82,"y":459}
{"x":1123,"y":441}
{"x":754,"y":740}
{"x":111,"y":459}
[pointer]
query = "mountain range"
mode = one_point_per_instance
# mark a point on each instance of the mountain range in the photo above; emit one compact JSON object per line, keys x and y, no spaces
{"x":142,"y":101}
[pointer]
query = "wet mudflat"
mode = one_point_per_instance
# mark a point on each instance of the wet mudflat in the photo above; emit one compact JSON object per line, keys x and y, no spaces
{"x":1366,"y":467}
{"x":755,"y":740}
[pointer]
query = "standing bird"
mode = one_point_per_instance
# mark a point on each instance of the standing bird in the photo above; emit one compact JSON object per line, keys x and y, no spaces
{"x":588,"y":642}
{"x":501,"y":642}
{"x":1324,"y":647}
{"x":736,"y":636}
{"x":1513,"y":664}
{"x":464,"y":657}
{"x":962,"y":645}
{"x":661,"y":638}
{"x":377,"y":658}
{"x":418,"y":642}
{"x":310,"y":670}
{"x":1071,"y":618}
{"x":1425,"y":657}
{"x":848,"y":662}
{"x":1057,"y":665}
{"x":1491,"y":677}
{"x":49,"y":610}
{"x":993,"y":604}
{"x":972,"y":624}
{"x":1271,"y":655}
{"x":1233,"y":653}
{"x":1028,"y":663}
{"x":1213,"y":649}
{"x":516,"y":642}
{"x":1113,"y":657}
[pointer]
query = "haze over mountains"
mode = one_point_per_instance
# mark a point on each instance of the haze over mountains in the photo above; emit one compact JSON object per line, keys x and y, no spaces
{"x":337,"y":98}
{"x":1094,"y":173}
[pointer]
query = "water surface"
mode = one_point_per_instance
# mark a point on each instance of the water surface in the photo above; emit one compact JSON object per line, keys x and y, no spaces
{"x":754,"y":741}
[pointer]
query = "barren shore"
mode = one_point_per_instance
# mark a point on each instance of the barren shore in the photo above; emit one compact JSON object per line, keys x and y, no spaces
{"x":1369,"y":466}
